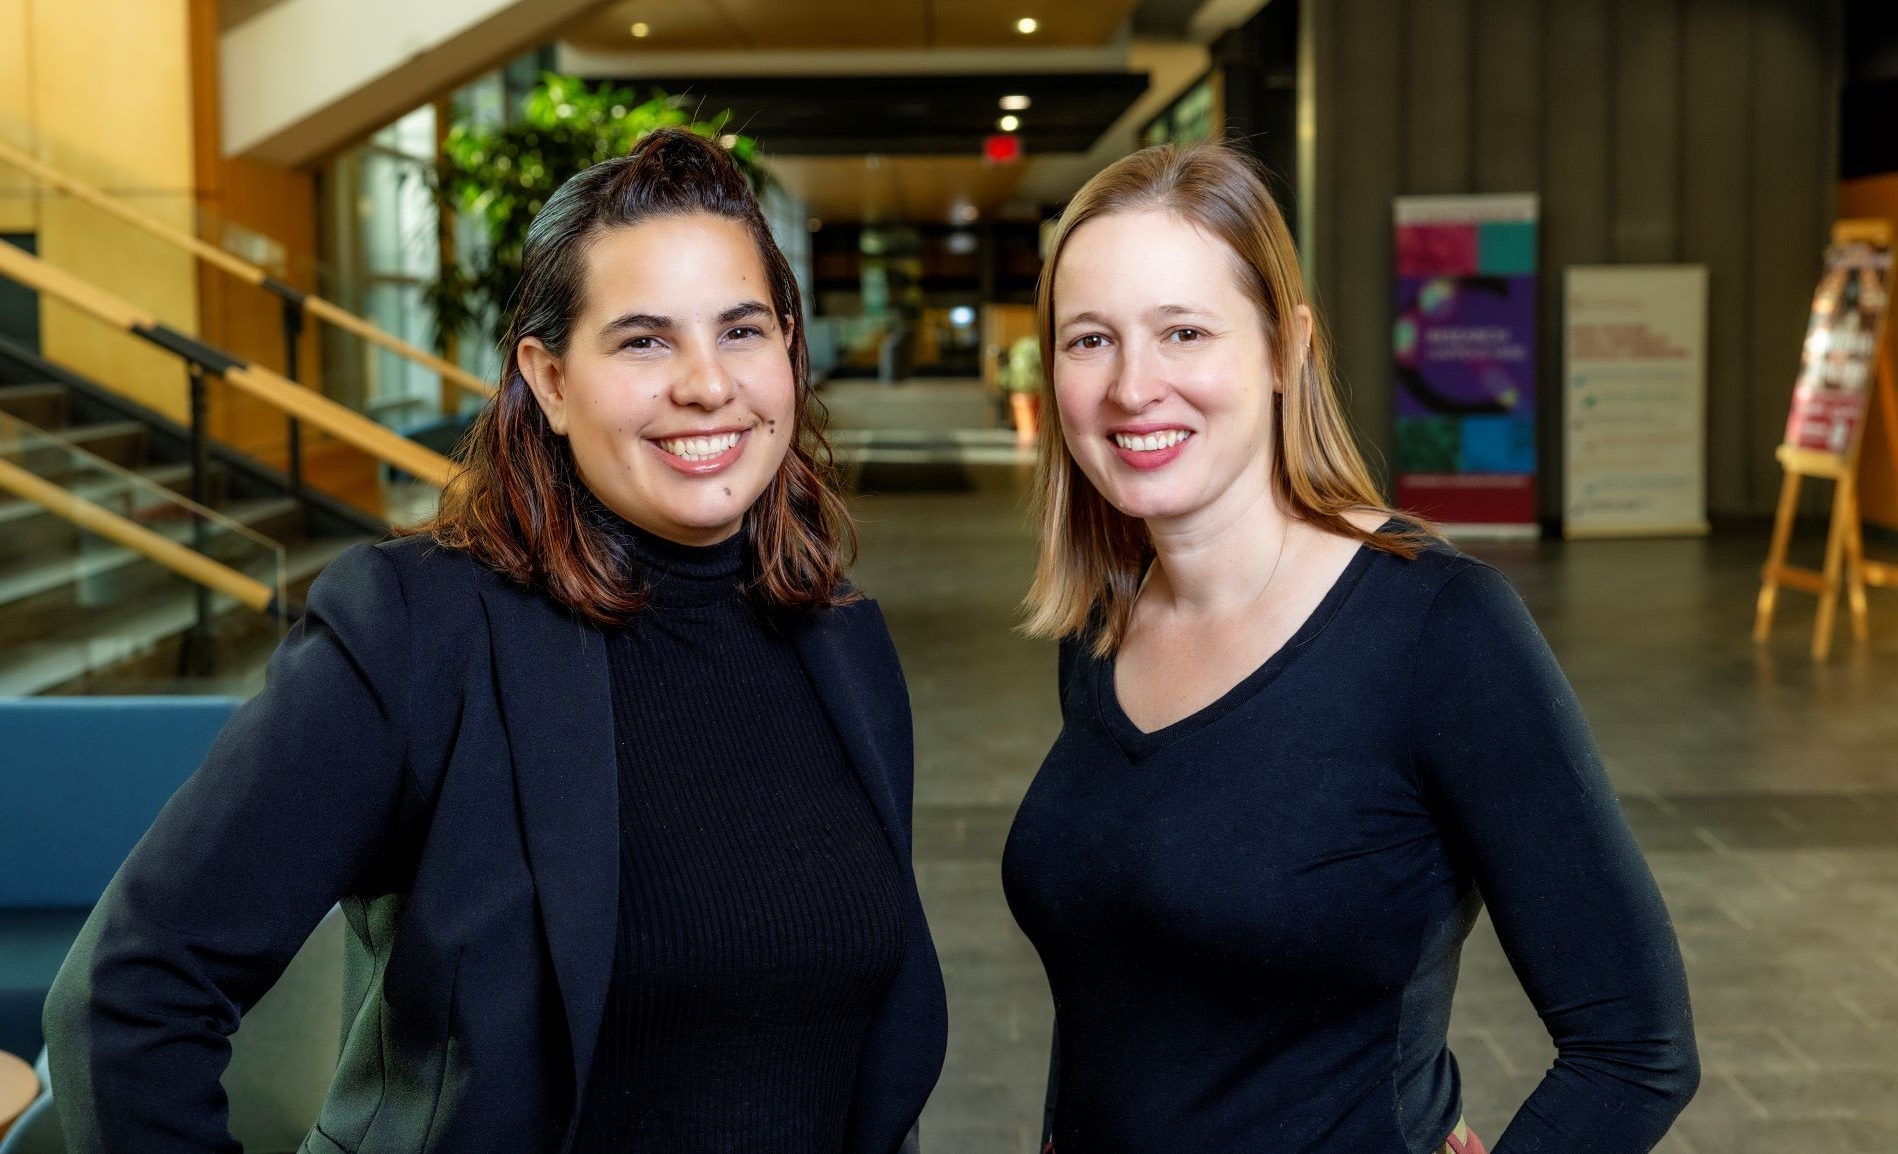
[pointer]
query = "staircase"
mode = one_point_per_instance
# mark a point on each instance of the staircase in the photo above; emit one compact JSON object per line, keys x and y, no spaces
{"x":79,"y":614}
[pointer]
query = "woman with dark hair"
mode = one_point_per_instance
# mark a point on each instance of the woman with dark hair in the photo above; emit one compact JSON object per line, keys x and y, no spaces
{"x":1304,"y":740}
{"x":609,"y":768}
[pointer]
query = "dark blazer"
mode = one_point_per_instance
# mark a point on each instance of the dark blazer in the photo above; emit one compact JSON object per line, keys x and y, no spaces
{"x":433,"y":749}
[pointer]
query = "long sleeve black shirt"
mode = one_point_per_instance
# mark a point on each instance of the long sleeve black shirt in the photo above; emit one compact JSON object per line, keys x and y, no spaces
{"x":760,"y":906}
{"x":1251,"y":919}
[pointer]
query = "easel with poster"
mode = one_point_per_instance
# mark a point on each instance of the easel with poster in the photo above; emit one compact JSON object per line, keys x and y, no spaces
{"x":1845,"y":361}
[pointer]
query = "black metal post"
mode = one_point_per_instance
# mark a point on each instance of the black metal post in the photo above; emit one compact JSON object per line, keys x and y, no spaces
{"x":196,"y":657}
{"x":292,"y":330}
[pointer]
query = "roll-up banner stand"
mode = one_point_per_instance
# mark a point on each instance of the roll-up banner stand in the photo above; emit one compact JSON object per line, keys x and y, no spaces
{"x":1634,"y":351}
{"x":1465,"y":362}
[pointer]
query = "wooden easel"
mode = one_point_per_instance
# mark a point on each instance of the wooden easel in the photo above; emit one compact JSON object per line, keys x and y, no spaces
{"x":1845,"y":563}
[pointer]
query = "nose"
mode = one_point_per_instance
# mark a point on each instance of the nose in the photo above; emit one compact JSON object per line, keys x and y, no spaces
{"x":1139,"y":383}
{"x":704,"y":381}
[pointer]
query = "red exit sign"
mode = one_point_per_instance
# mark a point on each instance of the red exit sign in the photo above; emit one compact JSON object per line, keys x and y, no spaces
{"x":1002,"y":148}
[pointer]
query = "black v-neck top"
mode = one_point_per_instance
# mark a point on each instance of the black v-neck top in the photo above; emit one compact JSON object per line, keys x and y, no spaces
{"x":761,"y":903}
{"x":1139,"y":744}
{"x":1251,"y":918}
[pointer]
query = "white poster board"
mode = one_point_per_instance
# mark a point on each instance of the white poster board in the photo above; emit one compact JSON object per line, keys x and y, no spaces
{"x":1634,"y":347}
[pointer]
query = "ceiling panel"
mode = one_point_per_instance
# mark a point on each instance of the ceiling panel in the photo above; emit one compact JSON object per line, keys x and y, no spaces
{"x":820,"y":25}
{"x":914,"y":189}
{"x":913,"y":115}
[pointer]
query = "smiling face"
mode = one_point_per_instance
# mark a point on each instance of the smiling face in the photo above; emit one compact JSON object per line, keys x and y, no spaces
{"x":1162,"y":370}
{"x":675,"y":391}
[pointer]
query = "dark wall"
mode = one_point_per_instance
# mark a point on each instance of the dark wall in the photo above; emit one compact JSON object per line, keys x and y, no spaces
{"x":1259,"y":64}
{"x":1700,"y":131}
{"x":1868,"y":106}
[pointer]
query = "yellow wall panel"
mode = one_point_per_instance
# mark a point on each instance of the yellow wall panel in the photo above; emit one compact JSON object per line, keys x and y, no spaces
{"x":112,"y":83}
{"x":137,"y":267}
{"x":16,"y":115}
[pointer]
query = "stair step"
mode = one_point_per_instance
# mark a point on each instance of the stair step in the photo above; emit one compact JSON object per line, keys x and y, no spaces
{"x":35,"y":576}
{"x":120,"y":442}
{"x":28,"y":529}
{"x":43,"y":406}
{"x":133,"y":648}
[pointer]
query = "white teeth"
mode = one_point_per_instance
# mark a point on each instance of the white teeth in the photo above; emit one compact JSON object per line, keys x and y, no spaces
{"x":699,"y":448}
{"x":1152,"y":442}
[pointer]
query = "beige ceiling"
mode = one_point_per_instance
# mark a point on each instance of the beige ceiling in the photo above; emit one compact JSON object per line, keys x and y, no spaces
{"x":919,"y":189}
{"x":809,"y":25}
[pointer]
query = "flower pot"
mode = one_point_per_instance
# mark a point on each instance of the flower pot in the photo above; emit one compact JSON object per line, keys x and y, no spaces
{"x":1026,"y":409}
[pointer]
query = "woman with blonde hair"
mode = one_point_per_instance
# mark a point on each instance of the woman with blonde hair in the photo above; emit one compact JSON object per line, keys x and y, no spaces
{"x":1304,"y":740}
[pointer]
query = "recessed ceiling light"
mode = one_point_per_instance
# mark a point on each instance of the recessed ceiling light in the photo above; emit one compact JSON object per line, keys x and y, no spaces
{"x":1008,"y":123}
{"x":642,"y":30}
{"x":728,"y":140}
{"x":1027,"y":25}
{"x":963,"y":213}
{"x":1015,"y":103}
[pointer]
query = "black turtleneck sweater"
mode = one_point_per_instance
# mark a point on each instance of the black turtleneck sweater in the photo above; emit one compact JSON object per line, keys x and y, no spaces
{"x":760,"y":902}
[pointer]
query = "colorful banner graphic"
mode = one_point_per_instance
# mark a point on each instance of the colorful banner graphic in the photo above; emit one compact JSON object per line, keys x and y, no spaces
{"x":1465,"y":344}
{"x":1841,"y":352}
{"x":1635,"y":364}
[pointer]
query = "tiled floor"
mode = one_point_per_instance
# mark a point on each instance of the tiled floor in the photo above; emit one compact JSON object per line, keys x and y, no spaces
{"x":1764,"y":789}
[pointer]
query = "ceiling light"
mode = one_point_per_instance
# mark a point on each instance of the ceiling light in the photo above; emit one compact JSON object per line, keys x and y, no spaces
{"x":728,"y":140}
{"x":814,"y":224}
{"x":1027,"y":25}
{"x":963,"y":213}
{"x":1015,"y":103}
{"x":642,"y":30}
{"x":1008,"y":123}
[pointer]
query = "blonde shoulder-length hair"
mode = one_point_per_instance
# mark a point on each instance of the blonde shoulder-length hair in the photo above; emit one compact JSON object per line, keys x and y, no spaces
{"x":1093,"y":556}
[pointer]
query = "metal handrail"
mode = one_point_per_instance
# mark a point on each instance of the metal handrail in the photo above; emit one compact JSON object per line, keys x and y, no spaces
{"x":303,"y":404}
{"x":245,"y":271}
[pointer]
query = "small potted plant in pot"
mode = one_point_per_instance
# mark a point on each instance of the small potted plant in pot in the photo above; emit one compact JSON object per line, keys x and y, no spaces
{"x":1021,"y":379}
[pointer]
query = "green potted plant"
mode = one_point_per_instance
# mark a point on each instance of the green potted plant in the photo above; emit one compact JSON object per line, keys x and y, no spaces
{"x":1021,"y":380}
{"x":501,"y":175}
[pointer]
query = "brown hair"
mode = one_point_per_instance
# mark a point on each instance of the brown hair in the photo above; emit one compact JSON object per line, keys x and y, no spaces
{"x":1092,"y":555}
{"x":518,"y":502}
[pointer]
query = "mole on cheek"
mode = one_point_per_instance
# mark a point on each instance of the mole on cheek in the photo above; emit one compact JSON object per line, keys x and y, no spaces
{"x":728,"y":492}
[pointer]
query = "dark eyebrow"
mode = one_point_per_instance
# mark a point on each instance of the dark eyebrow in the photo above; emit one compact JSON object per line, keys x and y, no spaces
{"x":743,"y":312}
{"x":636,"y":321}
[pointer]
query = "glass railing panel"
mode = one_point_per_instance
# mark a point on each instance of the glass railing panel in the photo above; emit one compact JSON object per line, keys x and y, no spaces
{"x":83,"y":610}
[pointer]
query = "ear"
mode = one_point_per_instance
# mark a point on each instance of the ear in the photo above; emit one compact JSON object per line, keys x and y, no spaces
{"x":789,"y":325}
{"x":541,"y":369}
{"x":1302,"y":325}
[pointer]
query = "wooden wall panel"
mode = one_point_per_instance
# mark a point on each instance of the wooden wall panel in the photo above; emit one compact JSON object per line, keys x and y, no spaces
{"x":1715,"y":167}
{"x":1437,"y":96}
{"x":1793,"y":135}
{"x":1653,"y":130}
{"x":1506,"y":117}
{"x":1644,"y":132}
{"x":1360,"y":128}
{"x":1876,"y":196}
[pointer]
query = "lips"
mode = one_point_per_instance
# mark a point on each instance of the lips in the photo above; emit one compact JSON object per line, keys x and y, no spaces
{"x":701,"y":454}
{"x":1149,"y":447}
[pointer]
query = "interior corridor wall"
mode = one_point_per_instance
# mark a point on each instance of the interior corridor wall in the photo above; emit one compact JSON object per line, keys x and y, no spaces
{"x":1655,"y":131}
{"x":102,"y":90}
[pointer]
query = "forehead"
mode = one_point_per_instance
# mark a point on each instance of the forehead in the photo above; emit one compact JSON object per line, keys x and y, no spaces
{"x":669,"y":263}
{"x":1134,"y":257}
